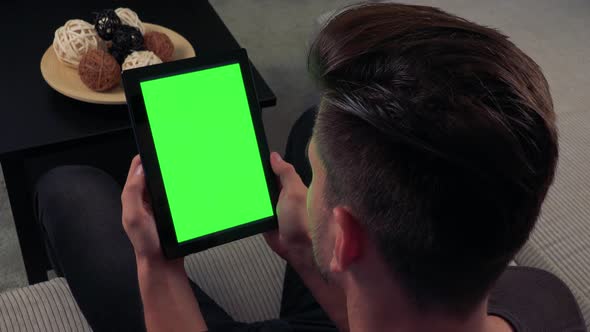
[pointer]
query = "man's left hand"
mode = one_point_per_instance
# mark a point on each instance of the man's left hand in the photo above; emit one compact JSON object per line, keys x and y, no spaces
{"x":138,"y":217}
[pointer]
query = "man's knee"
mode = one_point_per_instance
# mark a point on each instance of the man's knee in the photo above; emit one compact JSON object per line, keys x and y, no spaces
{"x":70,"y":187}
{"x":69,"y":181}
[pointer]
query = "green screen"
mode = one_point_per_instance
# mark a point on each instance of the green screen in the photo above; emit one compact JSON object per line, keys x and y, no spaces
{"x":207,"y":150}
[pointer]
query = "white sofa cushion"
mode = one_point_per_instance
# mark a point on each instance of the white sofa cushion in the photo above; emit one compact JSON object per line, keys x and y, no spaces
{"x":47,"y":306}
{"x":244,"y":277}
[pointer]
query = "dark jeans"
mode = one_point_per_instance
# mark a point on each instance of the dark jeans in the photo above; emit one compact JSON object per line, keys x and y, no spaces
{"x":79,"y":210}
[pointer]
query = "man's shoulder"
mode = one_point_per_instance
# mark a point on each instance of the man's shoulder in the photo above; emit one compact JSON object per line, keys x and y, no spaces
{"x":531,"y":299}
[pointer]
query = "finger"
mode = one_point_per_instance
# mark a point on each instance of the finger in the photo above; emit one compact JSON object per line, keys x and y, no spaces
{"x":285,"y":171}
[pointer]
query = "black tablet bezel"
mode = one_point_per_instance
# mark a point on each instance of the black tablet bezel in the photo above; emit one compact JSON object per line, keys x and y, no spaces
{"x":145,"y":144}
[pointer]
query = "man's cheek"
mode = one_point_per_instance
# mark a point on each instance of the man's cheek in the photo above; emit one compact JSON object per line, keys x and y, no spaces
{"x":308,"y":201}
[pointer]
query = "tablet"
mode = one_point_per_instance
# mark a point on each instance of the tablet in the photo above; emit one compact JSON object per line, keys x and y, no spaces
{"x":199,"y":132}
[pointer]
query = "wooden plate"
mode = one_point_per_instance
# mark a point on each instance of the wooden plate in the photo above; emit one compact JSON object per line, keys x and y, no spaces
{"x":66,"y":80}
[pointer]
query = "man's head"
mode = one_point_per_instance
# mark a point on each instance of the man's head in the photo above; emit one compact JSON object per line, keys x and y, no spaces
{"x":435,"y":141}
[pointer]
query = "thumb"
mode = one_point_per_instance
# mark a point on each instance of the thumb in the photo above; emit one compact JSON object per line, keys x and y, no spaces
{"x":134,"y":189}
{"x":284,"y":170}
{"x":274,"y":242}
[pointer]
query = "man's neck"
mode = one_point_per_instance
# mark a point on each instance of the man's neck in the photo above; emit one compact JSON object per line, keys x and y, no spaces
{"x":383,"y":308}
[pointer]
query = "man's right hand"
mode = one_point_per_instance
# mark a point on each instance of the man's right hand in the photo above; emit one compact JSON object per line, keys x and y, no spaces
{"x":292,"y":242}
{"x":293,"y":233}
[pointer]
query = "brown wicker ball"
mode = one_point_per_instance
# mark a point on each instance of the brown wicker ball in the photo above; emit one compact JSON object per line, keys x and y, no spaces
{"x":99,"y":70}
{"x":160,"y":44}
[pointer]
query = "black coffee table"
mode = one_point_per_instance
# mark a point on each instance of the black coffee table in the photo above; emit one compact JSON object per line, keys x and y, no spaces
{"x":41,"y":129}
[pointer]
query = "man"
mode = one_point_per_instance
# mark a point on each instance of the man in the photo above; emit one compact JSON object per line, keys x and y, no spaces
{"x":433,"y":149}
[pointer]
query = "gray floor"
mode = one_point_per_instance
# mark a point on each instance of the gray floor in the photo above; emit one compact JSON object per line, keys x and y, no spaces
{"x":276,"y":34}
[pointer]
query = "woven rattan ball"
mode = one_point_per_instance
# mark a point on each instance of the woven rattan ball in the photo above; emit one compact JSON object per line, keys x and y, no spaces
{"x":99,"y":70}
{"x":140,"y":59}
{"x":128,"y":38}
{"x":73,"y":40}
{"x":130,"y":17}
{"x":119,"y":54}
{"x":160,"y":44}
{"x":105,"y":23}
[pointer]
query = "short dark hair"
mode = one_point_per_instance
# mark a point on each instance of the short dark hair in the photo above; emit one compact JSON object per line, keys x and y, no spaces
{"x":440,"y":135}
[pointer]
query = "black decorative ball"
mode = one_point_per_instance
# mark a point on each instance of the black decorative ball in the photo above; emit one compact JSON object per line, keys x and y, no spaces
{"x":119,"y":54}
{"x":106,"y":23}
{"x":128,"y":38}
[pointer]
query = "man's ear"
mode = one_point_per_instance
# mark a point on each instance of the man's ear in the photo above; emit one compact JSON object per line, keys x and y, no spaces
{"x":349,"y":239}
